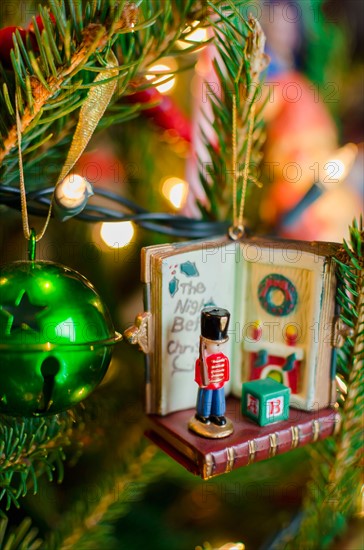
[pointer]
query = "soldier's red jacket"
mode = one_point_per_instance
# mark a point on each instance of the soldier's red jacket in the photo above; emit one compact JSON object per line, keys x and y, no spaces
{"x":217,"y":371}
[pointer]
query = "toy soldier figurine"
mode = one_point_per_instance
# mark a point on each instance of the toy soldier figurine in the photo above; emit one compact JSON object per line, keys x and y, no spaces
{"x":211,"y":373}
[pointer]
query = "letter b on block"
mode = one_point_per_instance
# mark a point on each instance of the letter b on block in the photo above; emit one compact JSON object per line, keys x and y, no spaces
{"x":265,"y":401}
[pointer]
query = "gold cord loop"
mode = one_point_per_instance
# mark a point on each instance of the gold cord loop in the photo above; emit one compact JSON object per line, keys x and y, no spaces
{"x":94,"y":106}
{"x":237,"y":230}
{"x":29,"y":234}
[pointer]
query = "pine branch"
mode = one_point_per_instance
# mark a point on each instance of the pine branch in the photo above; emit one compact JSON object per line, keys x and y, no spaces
{"x":29,"y":448}
{"x":350,"y":441}
{"x":239,"y":64}
{"x":23,"y":537}
{"x":94,"y":38}
{"x":336,"y":474}
{"x":51,"y":81}
{"x":50,"y":98}
{"x":89,"y":525}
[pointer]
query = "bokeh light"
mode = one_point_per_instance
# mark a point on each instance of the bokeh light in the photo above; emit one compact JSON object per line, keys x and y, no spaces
{"x":117,"y":234}
{"x":175,"y":191}
{"x":162,"y":72}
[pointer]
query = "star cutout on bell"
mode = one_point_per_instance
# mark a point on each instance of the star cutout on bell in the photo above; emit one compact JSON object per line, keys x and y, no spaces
{"x":23,"y":314}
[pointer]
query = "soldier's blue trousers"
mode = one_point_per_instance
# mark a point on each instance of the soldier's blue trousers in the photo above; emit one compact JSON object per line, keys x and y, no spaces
{"x":210,"y":402}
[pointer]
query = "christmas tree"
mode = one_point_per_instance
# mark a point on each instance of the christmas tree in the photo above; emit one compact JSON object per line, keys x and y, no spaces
{"x":84,"y":100}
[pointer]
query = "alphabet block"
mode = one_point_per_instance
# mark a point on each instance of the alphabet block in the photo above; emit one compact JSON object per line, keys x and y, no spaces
{"x":265,"y":401}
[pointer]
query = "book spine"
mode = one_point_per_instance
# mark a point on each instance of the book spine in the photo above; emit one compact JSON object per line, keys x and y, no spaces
{"x":269,"y":445}
{"x":147,"y":358}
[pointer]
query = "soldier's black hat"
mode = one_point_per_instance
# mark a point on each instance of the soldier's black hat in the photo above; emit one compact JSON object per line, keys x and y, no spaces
{"x":214,"y":323}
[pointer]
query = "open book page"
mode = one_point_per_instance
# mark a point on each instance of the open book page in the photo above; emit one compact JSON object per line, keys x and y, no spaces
{"x":279,"y":311}
{"x":191,"y":280}
{"x":281,"y":300}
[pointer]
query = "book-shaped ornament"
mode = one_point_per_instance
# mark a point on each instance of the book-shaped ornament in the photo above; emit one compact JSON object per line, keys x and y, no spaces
{"x":281,"y":297}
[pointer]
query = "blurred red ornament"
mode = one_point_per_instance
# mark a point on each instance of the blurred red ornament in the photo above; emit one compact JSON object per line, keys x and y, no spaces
{"x":7,"y":43}
{"x":163,"y":112}
{"x":101,"y":168}
{"x":150,"y":95}
{"x":39,"y":22}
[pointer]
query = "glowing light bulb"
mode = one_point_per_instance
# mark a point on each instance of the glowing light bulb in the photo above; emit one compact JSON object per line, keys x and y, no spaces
{"x":199,"y":35}
{"x":175,"y":190}
{"x":163,"y":73}
{"x":71,"y":196}
{"x":117,"y":234}
{"x":336,"y":169}
{"x":73,"y":187}
{"x":196,"y":35}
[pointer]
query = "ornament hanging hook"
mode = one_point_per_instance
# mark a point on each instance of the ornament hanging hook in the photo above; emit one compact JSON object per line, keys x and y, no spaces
{"x":236,"y":232}
{"x":32,"y":245}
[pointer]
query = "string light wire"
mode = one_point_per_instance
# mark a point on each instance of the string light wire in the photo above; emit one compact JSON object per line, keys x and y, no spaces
{"x":38,"y":202}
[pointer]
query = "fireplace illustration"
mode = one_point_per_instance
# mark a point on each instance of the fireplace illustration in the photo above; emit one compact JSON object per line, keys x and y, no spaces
{"x":282,"y":330}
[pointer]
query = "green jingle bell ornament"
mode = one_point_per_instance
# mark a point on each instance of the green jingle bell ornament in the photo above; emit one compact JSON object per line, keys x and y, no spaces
{"x":56,"y":337}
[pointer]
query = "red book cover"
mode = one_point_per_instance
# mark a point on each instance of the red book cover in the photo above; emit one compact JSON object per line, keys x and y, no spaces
{"x":248,"y":444}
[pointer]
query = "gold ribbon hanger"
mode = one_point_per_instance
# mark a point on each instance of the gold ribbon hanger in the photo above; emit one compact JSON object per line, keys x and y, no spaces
{"x":91,"y":112}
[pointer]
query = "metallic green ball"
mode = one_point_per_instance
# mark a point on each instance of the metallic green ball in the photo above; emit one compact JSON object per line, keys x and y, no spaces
{"x":56,"y":338}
